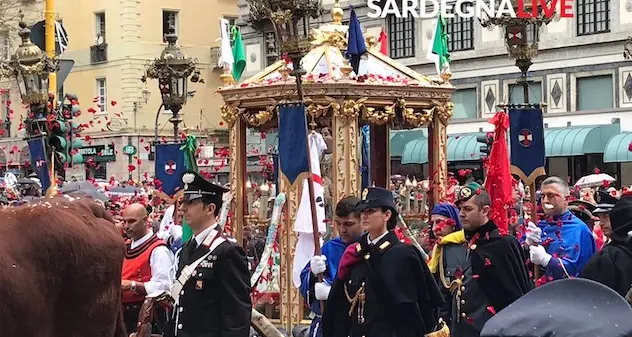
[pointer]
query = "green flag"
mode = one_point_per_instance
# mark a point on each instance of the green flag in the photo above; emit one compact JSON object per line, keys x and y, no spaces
{"x":438,"y":51}
{"x":189,"y":147}
{"x":239,"y":54}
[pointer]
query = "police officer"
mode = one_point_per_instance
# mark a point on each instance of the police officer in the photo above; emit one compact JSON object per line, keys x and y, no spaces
{"x":605,"y":203}
{"x":212,"y":290}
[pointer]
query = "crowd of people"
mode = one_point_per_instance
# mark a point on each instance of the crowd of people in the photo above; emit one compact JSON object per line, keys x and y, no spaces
{"x":370,"y":280}
{"x":375,"y":285}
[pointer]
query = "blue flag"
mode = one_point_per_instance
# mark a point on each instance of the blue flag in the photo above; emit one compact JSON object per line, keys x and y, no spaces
{"x":356,"y":47}
{"x":293,"y":156}
{"x":170,"y":166}
{"x":39,"y":161}
{"x":364,"y":169}
{"x":527,"y":143}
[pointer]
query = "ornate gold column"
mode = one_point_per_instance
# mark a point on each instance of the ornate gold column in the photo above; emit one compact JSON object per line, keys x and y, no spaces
{"x":290,"y":297}
{"x":345,"y":152}
{"x":237,"y":153}
{"x":439,"y":139}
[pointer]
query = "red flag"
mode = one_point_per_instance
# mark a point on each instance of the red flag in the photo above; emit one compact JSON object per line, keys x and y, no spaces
{"x":383,"y":44}
{"x":498,"y":180}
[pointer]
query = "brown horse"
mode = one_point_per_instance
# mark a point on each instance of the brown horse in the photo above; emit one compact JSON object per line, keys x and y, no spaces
{"x":60,"y":270}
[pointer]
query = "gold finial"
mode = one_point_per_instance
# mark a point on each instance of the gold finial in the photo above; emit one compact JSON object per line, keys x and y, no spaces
{"x":285,"y":71}
{"x":337,"y":13}
{"x":227,"y":77}
{"x":346,"y":68}
{"x":446,"y":74}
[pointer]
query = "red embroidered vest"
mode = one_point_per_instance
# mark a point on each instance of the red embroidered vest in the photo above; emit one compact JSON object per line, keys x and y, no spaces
{"x":136,"y":266}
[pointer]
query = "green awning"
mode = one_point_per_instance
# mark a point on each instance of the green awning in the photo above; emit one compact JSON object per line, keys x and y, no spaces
{"x":578,"y":140}
{"x":618,"y":149}
{"x":460,"y":148}
{"x":399,"y":138}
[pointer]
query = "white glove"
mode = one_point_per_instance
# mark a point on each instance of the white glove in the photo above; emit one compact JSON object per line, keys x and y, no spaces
{"x":321,"y":291}
{"x":317,"y":264}
{"x":534,"y":234}
{"x":538,"y":255}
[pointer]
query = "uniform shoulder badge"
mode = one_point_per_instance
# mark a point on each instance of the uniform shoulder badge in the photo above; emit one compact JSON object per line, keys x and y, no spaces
{"x":365,"y":193}
{"x":385,"y":245}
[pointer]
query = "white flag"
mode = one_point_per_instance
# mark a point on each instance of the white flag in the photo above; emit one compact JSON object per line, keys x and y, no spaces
{"x":226,"y":59}
{"x":303,"y":224}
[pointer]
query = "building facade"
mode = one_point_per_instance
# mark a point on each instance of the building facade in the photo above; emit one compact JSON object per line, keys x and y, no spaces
{"x":13,"y":151}
{"x":110,"y":44}
{"x":580,"y":73}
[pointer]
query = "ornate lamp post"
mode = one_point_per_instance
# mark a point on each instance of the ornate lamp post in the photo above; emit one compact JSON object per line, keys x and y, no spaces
{"x":30,"y":66}
{"x":292,"y":37}
{"x":172,"y":70}
{"x":521,"y":38}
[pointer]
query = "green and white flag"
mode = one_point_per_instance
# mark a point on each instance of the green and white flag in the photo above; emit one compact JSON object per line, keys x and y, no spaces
{"x":438,"y":50}
{"x":225,"y":60}
{"x":239,"y":54}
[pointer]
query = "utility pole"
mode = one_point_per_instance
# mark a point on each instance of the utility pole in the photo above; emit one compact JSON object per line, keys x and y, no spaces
{"x":50,"y":42}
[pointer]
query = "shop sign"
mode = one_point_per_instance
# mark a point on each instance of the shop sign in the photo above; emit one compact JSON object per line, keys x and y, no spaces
{"x":129,"y":150}
{"x":99,"y":153}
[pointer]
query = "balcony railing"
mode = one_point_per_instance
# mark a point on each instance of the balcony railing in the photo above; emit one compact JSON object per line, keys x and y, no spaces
{"x":99,"y":53}
{"x":215,"y":57}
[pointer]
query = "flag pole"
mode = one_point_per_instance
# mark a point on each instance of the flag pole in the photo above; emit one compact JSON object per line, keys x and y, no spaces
{"x":298,"y":73}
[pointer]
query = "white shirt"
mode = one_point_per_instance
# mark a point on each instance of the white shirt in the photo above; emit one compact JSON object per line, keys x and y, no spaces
{"x":203,"y":234}
{"x":368,"y":237}
{"x":199,"y":239}
{"x":168,"y":228}
{"x":161,"y":262}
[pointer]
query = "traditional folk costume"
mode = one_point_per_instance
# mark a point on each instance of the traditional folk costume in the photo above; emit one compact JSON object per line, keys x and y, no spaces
{"x":495,"y":275}
{"x":448,"y":257}
{"x":149,"y":261}
{"x":332,"y":250}
{"x":568,"y":244}
{"x":612,"y":266}
{"x":565,"y":308}
{"x":212,"y":290}
{"x":383,"y":287}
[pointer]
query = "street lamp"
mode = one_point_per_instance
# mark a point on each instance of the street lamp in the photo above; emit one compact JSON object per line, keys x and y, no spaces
{"x":31,"y":66}
{"x":172,"y":70}
{"x":521,"y":37}
{"x":145,"y":95}
{"x":286,"y":16}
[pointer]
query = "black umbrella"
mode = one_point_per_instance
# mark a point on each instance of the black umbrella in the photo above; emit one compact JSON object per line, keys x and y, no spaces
{"x":77,"y":186}
{"x":124,"y":190}
{"x":26,"y":181}
{"x":94,"y":194}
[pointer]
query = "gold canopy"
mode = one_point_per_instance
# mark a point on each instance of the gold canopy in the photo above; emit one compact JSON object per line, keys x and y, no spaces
{"x":385,"y":94}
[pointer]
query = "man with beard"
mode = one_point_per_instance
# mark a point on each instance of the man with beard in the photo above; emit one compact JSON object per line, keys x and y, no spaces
{"x":561,"y":243}
{"x":612,"y":266}
{"x":347,"y":222}
{"x":495,"y":273}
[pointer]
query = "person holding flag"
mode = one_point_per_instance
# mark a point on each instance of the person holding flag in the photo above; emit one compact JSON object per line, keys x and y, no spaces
{"x":347,"y":222}
{"x":383,"y":287}
{"x":561,"y":243}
